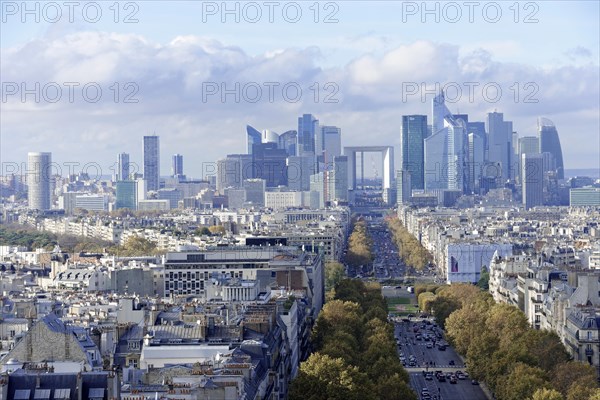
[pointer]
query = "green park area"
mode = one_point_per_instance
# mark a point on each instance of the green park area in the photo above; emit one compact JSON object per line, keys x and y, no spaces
{"x":401,"y":305}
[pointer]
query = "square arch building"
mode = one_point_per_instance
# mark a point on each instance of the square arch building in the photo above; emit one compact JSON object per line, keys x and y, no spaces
{"x":387,"y":158}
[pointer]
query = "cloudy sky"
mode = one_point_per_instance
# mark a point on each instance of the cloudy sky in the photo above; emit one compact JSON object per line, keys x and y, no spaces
{"x":87,"y":81}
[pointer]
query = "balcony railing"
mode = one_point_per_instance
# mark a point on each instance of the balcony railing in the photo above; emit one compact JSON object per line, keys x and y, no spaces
{"x":589,"y":352}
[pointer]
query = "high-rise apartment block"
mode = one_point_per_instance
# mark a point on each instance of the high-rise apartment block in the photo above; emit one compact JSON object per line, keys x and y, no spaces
{"x":39,"y":177}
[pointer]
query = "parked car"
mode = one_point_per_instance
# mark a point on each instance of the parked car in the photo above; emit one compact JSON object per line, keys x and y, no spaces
{"x":474,"y":382}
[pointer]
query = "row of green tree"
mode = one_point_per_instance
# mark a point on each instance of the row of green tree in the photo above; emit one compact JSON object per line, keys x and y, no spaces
{"x":355,"y":356}
{"x":359,"y":245}
{"x":32,"y":239}
{"x":516,"y":361}
{"x":410,"y":249}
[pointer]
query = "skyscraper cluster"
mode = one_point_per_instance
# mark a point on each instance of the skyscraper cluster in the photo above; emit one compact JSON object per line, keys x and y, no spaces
{"x":443,"y":160}
{"x":455,"y":155}
{"x":287,"y":161}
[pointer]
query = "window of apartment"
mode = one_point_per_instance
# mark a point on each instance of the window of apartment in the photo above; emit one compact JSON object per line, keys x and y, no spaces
{"x":133,"y":363}
{"x":589,"y":335}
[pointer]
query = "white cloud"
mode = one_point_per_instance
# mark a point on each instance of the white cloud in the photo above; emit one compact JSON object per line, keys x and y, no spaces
{"x":171,"y":78}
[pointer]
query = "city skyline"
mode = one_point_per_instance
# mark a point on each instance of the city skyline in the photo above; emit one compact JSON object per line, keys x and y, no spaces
{"x":165,"y":166}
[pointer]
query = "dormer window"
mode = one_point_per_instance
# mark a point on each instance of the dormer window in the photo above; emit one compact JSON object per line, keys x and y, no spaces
{"x":133,"y":345}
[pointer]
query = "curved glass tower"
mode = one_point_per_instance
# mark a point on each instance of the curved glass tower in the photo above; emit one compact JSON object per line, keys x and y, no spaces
{"x":550,"y":143}
{"x":253,"y":136}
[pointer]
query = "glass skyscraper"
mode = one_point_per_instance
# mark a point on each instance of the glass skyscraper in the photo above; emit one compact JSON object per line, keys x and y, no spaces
{"x":412,"y":141}
{"x":550,"y":143}
{"x":253,"y":136}
{"x":126,"y":194}
{"x":532,"y":175}
{"x":152,"y":162}
{"x":123,"y":167}
{"x":307,"y":130}
{"x":445,"y":150}
{"x":500,"y":143}
{"x":177,"y":165}
{"x":287,"y":142}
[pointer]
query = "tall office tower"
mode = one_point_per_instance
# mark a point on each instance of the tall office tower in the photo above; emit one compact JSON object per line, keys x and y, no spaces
{"x":476,"y":161}
{"x":152,"y":162}
{"x":123,"y":167}
{"x":337,"y":179}
{"x":403,"y":187}
{"x":39,"y":176}
{"x":232,"y":170}
{"x":308,"y":126}
{"x":328,"y":145}
{"x":287,"y":142}
{"x":514,"y":157}
{"x":532,"y":174}
{"x":177,"y":165}
{"x":526,"y":145}
{"x":439,"y":113}
{"x":478,"y":128}
{"x":299,"y":170}
{"x":253,"y":136}
{"x":255,"y":191}
{"x":269,"y":163}
{"x":317,"y":185}
{"x":550,"y":142}
{"x":412,"y":141}
{"x":445,"y":150}
{"x":500,"y":143}
{"x":329,"y":141}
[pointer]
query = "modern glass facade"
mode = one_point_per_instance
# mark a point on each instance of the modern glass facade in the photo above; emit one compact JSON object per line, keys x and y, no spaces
{"x":123,"y":167}
{"x":307,"y":130}
{"x":412,"y":142}
{"x":532,"y":175}
{"x":253,"y":136}
{"x":126,"y":195}
{"x":445,"y":150}
{"x":177,"y":165}
{"x":287,"y":142}
{"x":500,"y":143}
{"x":550,"y":142}
{"x":585,"y":197}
